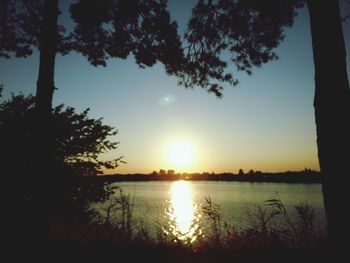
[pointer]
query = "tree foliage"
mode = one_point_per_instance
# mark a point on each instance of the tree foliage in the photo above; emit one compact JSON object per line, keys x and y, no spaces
{"x":78,"y":139}
{"x":20,"y":23}
{"x":228,"y":35}
{"x":102,"y":29}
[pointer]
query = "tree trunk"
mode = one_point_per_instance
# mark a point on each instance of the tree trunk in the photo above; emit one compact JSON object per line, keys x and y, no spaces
{"x":42,"y":138}
{"x":332,"y":114}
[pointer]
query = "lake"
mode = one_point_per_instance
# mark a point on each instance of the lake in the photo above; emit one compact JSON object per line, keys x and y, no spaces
{"x":176,"y":207}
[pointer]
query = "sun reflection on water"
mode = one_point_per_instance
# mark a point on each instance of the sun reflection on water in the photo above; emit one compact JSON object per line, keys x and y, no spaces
{"x":182,"y":213}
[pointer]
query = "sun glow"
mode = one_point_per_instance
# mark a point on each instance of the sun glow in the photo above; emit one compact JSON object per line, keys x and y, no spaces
{"x":180,"y":154}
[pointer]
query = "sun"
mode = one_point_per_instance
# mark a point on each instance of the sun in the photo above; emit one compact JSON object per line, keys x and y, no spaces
{"x":180,"y":154}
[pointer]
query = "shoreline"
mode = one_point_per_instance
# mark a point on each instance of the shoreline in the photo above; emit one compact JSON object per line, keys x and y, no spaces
{"x":286,"y":177}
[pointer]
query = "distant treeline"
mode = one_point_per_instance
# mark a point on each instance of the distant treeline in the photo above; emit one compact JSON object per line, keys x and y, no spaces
{"x":306,"y":176}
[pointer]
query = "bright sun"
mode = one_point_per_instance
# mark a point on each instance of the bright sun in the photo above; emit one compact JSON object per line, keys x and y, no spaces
{"x":180,"y":154}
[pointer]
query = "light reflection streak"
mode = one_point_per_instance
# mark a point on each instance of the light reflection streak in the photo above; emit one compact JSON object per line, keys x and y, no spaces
{"x":182,"y":213}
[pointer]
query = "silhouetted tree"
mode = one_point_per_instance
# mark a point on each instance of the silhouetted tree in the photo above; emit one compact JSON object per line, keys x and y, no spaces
{"x":103,"y":29}
{"x":78,"y":139}
{"x":78,"y":142}
{"x":162,"y":172}
{"x":171,"y":172}
{"x":249,"y":31}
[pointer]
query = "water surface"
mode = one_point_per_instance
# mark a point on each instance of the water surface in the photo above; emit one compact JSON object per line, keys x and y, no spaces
{"x":176,"y":206}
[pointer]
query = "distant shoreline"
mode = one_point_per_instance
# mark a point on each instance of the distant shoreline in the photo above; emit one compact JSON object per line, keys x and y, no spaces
{"x":284,"y":177}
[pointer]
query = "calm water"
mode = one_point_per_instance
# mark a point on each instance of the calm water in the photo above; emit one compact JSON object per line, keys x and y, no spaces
{"x":175,"y":207}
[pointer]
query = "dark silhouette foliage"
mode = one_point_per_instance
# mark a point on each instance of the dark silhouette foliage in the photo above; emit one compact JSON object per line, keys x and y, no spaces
{"x":78,"y":142}
{"x":78,"y":139}
{"x":19,"y":27}
{"x":245,"y":31}
{"x":143,"y":28}
{"x":103,"y":29}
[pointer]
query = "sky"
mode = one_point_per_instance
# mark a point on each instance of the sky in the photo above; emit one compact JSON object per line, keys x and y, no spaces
{"x":265,"y":123}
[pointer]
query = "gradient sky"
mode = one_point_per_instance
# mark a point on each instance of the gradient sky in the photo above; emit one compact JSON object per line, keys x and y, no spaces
{"x":265,"y":123}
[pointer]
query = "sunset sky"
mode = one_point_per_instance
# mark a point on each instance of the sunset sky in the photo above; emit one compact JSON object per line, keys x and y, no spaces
{"x":265,"y":123}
